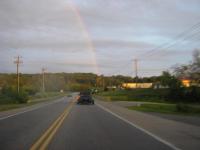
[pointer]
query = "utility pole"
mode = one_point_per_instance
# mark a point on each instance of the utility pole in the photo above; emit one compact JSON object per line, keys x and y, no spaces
{"x":18,"y":62}
{"x":103,"y":82}
{"x":43,"y":79}
{"x":96,"y":84}
{"x":136,"y":70}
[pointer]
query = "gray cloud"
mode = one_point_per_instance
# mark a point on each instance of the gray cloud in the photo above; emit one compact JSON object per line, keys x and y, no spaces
{"x":50,"y":32}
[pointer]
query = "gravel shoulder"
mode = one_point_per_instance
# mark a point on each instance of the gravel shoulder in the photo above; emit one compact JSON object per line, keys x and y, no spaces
{"x":192,"y":120}
{"x":183,"y":135}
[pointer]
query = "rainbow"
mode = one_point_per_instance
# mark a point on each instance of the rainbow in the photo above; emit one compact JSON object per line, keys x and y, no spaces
{"x":82,"y":25}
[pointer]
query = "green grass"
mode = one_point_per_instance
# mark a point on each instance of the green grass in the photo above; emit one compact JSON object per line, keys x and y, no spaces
{"x":149,"y":95}
{"x":167,"y":109}
{"x":41,"y":96}
{"x":32,"y":100}
{"x":5,"y":107}
{"x":155,"y":98}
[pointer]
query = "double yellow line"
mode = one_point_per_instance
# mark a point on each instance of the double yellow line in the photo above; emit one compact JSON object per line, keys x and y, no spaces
{"x":43,"y":142}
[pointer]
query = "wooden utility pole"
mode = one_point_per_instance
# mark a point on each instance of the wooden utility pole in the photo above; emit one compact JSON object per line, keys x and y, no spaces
{"x":103,"y":82}
{"x":43,"y":79}
{"x":18,"y":62}
{"x":136,"y":70}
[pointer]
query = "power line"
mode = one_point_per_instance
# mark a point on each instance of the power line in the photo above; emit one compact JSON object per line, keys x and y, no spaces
{"x":176,"y":38}
{"x":182,"y":36}
{"x":172,"y":45}
{"x":176,"y":42}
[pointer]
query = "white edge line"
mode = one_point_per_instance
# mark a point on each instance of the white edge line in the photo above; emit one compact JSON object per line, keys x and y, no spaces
{"x":31,"y":109}
{"x":141,"y":129}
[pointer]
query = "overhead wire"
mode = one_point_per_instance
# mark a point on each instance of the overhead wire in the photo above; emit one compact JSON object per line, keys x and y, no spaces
{"x":176,"y":38}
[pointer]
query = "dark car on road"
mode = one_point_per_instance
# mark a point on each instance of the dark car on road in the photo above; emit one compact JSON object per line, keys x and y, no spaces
{"x":85,"y":98}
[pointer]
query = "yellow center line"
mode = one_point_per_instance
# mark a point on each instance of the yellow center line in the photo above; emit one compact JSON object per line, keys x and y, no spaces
{"x":43,"y":142}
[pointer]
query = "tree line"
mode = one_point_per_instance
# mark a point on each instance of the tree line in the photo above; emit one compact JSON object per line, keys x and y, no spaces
{"x":54,"y":82}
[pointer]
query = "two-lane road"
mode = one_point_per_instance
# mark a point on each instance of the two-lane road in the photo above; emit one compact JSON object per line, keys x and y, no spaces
{"x":18,"y":132}
{"x":85,"y":127}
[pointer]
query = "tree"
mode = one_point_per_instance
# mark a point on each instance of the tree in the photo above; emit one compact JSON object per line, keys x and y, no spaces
{"x":191,"y":70}
{"x":169,"y":80}
{"x":195,"y":67}
{"x":176,"y":92}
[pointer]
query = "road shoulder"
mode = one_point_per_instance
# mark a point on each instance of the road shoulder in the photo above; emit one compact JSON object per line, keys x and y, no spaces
{"x":171,"y":131}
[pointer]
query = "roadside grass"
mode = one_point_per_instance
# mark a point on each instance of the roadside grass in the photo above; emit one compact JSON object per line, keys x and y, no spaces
{"x":168,"y":108}
{"x":155,"y":99}
{"x":141,"y":95}
{"x":145,"y":95}
{"x":45,"y":96}
{"x":8,"y":104}
{"x":5,"y":107}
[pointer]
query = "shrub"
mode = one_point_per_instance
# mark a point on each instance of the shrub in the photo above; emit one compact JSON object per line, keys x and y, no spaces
{"x":176,"y":94}
{"x":193,"y":94}
{"x":105,"y":89}
{"x":11,"y":92}
{"x":30,"y":91}
{"x":180,"y":107}
{"x":22,"y":97}
{"x":8,"y":91}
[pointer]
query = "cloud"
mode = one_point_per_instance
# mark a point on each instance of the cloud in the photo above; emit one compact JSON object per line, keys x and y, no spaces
{"x":50,"y":32}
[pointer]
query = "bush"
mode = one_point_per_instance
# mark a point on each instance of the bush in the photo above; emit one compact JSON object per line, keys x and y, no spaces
{"x":79,"y":87}
{"x":8,"y":91}
{"x":21,"y":97}
{"x":30,"y":91}
{"x":180,"y":107}
{"x":176,"y":94}
{"x":11,"y":92}
{"x":193,"y":94}
{"x":105,"y":89}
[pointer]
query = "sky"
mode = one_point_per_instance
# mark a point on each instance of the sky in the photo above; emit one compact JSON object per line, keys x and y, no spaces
{"x":98,"y":36}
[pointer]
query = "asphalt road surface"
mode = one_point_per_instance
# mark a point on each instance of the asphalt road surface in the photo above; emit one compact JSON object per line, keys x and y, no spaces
{"x":87,"y":127}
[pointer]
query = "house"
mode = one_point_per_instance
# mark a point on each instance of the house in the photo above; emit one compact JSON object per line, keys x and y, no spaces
{"x":186,"y":82}
{"x":137,"y":85}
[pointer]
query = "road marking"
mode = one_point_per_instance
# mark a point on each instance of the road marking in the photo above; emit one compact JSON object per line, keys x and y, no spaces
{"x":31,"y":109}
{"x":43,"y":142}
{"x":141,"y":129}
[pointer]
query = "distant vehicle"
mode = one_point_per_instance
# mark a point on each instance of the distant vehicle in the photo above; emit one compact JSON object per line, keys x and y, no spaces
{"x":85,"y":98}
